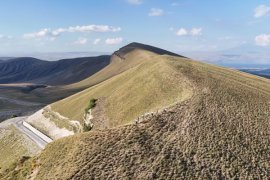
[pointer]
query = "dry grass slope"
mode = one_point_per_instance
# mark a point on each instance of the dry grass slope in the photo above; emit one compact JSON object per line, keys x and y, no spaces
{"x":222,"y":131}
{"x":149,"y":84}
{"x":13,"y":146}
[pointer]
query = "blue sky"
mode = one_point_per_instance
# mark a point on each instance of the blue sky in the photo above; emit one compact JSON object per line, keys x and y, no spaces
{"x":105,"y":25}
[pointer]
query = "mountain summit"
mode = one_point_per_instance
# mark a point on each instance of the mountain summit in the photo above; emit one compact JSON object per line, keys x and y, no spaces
{"x":132,"y":46}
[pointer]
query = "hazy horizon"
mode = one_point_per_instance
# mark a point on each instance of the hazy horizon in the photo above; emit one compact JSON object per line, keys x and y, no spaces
{"x":222,"y":58}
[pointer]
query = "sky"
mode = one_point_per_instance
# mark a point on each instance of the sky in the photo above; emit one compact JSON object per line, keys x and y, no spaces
{"x":183,"y":26}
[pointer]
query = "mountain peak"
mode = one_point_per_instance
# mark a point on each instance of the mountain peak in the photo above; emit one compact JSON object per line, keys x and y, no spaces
{"x":135,"y":45}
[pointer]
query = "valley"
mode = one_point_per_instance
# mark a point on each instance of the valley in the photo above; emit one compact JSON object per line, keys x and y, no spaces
{"x":37,"y":83}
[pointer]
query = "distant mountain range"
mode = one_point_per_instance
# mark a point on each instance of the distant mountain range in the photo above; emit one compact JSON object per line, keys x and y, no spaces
{"x":5,"y":58}
{"x":53,"y":56}
{"x":259,"y":72}
{"x":245,"y":56}
{"x":67,"y":71}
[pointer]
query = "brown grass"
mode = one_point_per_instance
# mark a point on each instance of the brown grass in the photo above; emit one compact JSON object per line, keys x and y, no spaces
{"x":149,"y":86}
{"x":14,"y":145}
{"x":221,"y":132}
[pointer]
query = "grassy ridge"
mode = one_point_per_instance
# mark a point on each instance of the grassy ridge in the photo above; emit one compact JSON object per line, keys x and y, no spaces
{"x":221,"y":131}
{"x":116,"y":67}
{"x":148,"y":86}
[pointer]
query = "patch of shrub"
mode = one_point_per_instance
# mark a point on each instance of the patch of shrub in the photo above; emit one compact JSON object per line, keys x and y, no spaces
{"x":14,"y":116}
{"x":86,"y":127}
{"x":92,"y":104}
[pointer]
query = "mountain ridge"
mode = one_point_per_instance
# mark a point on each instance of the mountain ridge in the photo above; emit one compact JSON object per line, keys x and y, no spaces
{"x":215,"y":126}
{"x":60,"y":72}
{"x":136,"y":45}
{"x":259,"y":72}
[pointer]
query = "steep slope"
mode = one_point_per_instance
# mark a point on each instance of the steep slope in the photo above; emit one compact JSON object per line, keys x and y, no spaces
{"x":144,"y":83}
{"x":141,"y":76}
{"x":119,"y":65}
{"x":220,"y":130}
{"x":50,"y":72}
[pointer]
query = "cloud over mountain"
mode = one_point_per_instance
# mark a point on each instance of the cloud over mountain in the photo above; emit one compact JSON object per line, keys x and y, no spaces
{"x":193,"y":32}
{"x":114,"y":41}
{"x":47,"y":32}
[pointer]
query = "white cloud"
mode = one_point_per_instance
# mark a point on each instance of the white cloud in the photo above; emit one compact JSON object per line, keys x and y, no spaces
{"x":262,"y":40}
{"x":192,"y":32}
{"x":81,"y":41}
{"x":96,"y":41}
{"x":58,"y":31}
{"x":114,"y":41}
{"x":40,"y":34}
{"x":196,"y":31}
{"x":52,"y":34}
{"x":87,"y":28}
{"x":135,"y":2}
{"x":92,"y":28}
{"x":5,"y":37}
{"x":223,"y":38}
{"x":156,"y":12}
{"x":174,"y":4}
{"x":182,"y":32}
{"x":45,"y":34}
{"x":261,"y":10}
